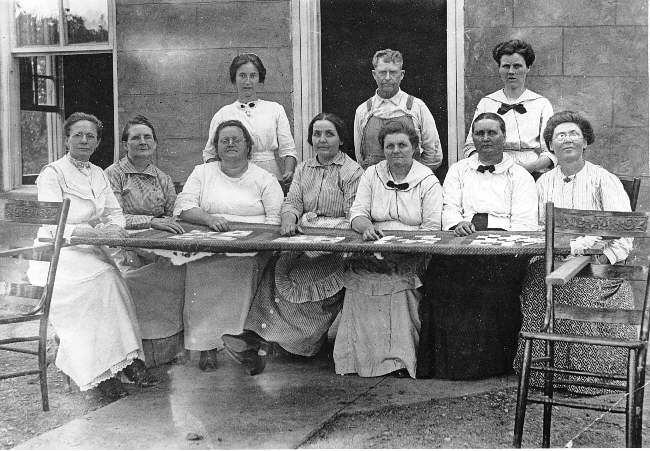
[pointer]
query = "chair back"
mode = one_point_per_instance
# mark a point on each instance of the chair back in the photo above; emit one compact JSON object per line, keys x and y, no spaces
{"x":609,"y":225}
{"x":632,"y":186}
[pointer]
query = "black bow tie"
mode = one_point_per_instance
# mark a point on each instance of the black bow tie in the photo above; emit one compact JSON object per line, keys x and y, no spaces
{"x":482,"y":168}
{"x":567,"y":179}
{"x":399,"y":186}
{"x":244,"y":105}
{"x":504,"y":108}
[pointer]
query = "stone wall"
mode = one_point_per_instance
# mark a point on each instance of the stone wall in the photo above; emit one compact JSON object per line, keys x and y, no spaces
{"x":591,"y":56}
{"x":173,"y":60}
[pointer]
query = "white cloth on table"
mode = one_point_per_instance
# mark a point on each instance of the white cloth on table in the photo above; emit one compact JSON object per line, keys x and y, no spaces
{"x":92,"y":310}
{"x":524,"y":140}
{"x":267,"y":123}
{"x":507,"y":195}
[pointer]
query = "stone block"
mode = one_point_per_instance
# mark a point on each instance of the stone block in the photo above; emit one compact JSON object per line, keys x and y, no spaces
{"x":208,"y":105}
{"x":488,"y":13}
{"x":600,"y":152}
{"x":631,"y":102}
{"x":606,"y":51}
{"x":157,"y":26}
{"x":632,"y":12}
{"x":212,"y":72}
{"x":531,"y":13}
{"x":629,"y":151}
{"x":178,"y":156}
{"x":174,"y":116}
{"x":479,"y":42}
{"x":243,"y":24}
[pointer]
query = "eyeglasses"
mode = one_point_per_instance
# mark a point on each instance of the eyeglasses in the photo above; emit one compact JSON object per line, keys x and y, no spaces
{"x":137,"y":138}
{"x":571,"y":136}
{"x":78,"y":136}
{"x":384,"y":73}
{"x":231,"y":140}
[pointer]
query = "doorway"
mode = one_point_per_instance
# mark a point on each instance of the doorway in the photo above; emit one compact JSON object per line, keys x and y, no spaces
{"x":351,"y":32}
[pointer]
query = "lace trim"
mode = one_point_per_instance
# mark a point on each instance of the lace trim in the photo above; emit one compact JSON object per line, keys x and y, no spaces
{"x":113,"y":370}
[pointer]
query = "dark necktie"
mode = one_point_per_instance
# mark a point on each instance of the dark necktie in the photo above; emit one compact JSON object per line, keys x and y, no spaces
{"x":504,"y":108}
{"x":482,"y":169}
{"x":398,"y":186}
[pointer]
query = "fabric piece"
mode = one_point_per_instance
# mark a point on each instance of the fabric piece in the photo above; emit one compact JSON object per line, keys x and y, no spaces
{"x":300,"y":278}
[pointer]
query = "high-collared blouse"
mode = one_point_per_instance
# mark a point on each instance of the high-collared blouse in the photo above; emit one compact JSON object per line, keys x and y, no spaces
{"x":591,"y":188}
{"x":143,"y":195}
{"x":507,"y":195}
{"x":524,"y":140}
{"x":419,"y":206}
{"x":327,"y":190}
{"x":266,"y":121}
{"x":425,"y":124}
{"x":255,"y":196}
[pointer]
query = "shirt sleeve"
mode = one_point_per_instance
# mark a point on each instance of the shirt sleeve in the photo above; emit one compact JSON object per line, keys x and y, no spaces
{"x":191,"y":195}
{"x":431,"y":147}
{"x":547,"y":112}
{"x":452,"y":209}
{"x":432,"y":206}
{"x":358,"y":117}
{"x":169,"y":191}
{"x":272,"y":197}
{"x":286,"y":144}
{"x":614,"y":198}
{"x":112,"y":214}
{"x":132,"y":221}
{"x":209,"y":151}
{"x":524,"y":202}
{"x":49,"y":190}
{"x":361,"y":204}
{"x":350,"y":187}
{"x":293,"y":202}
{"x":469,"y":147}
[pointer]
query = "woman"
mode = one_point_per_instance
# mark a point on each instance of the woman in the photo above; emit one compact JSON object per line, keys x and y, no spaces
{"x":92,"y":310}
{"x":524,"y":112}
{"x":378,"y":333}
{"x":579,"y":184}
{"x":308,"y":291}
{"x":219,"y":289}
{"x":266,"y":121}
{"x":147,"y":195}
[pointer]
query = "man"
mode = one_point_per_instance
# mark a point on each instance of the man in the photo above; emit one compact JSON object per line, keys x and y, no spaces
{"x":390,"y":103}
{"x":488,"y":190}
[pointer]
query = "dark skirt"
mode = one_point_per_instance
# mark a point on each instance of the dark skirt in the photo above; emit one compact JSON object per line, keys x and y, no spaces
{"x":470,"y":316}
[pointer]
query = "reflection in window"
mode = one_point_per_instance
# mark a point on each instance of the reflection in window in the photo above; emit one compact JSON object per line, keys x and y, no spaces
{"x":86,"y":21}
{"x":37,"y":22}
{"x":36,"y":130}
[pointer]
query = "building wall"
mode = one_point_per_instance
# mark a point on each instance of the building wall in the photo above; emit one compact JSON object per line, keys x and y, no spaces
{"x":173,"y":61}
{"x":591,"y":56}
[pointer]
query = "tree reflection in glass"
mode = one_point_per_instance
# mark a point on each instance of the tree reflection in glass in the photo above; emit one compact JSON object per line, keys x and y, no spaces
{"x":37,"y":22}
{"x":86,"y":21}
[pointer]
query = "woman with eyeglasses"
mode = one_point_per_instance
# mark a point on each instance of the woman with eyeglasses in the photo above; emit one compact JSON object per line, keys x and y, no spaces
{"x":92,"y":310}
{"x":525,"y":112}
{"x":579,"y":184}
{"x":219,"y":289}
{"x":147,"y":195}
{"x":273,"y":145}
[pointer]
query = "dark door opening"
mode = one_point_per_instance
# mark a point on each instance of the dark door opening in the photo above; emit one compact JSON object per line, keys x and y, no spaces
{"x":351,"y":32}
{"x":88,"y":87}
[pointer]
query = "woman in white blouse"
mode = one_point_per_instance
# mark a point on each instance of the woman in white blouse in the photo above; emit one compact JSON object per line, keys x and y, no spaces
{"x":524,"y":111}
{"x":219,"y":289}
{"x":379,"y":328}
{"x":579,"y":184}
{"x":266,"y":121}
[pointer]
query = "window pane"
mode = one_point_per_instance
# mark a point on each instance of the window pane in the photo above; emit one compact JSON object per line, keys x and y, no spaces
{"x":37,"y":22}
{"x":35,"y":135}
{"x":86,"y":20}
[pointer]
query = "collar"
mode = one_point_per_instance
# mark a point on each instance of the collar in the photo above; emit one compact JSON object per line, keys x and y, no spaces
{"x":526,"y":96}
{"x":127,"y":167}
{"x":78,"y":163}
{"x":397,"y":99}
{"x":570,"y":178}
{"x":415,"y":176}
{"x":499,"y":168}
{"x":339,"y":159}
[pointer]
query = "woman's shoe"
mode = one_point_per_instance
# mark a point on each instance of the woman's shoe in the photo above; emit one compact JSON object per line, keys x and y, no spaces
{"x":253,"y":361}
{"x":138,"y":373}
{"x":208,"y":360}
{"x":112,"y":389}
{"x":400,"y":374}
{"x":247,"y":340}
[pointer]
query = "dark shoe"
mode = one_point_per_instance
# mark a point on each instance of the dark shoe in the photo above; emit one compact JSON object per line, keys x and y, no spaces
{"x":208,"y":360}
{"x":400,"y":374}
{"x":112,"y":389}
{"x":138,"y":373}
{"x":254,"y":361}
{"x":247,"y":340}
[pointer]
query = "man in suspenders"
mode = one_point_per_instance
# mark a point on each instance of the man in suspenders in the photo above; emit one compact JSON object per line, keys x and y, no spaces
{"x":390,"y":103}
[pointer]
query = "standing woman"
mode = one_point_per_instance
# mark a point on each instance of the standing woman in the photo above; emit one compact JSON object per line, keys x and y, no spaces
{"x":92,"y":310}
{"x":147,"y":195}
{"x":265,"y":120}
{"x":524,"y":111}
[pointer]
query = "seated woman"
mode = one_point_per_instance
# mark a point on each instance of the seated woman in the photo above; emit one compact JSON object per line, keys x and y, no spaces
{"x":579,"y":184}
{"x":378,"y":333}
{"x":92,"y":311}
{"x":147,"y":195}
{"x":308,"y":290}
{"x":219,"y":289}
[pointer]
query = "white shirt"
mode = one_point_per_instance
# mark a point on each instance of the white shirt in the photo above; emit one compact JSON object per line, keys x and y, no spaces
{"x":524,"y":140}
{"x":507,"y":195}
{"x":591,"y":188}
{"x":267,"y":123}
{"x":425,"y":125}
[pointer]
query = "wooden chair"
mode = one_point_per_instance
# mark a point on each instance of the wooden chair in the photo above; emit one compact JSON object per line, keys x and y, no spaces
{"x":586,"y":222}
{"x":30,"y":212}
{"x":632,"y":186}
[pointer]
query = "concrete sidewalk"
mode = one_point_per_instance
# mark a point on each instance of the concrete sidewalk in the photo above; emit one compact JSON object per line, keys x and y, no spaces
{"x":279,"y":408}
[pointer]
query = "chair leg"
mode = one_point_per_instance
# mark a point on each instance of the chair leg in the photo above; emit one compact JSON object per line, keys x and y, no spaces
{"x":548,"y":392}
{"x":522,"y":395}
{"x":42,"y":366}
{"x":630,"y":404}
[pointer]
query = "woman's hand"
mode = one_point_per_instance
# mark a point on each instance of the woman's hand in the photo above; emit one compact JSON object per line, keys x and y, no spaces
{"x":464,"y":228}
{"x":372,"y":233}
{"x":218,"y":223}
{"x":166,"y":224}
{"x":601,"y":259}
{"x":289,"y":227}
{"x":287,"y":176}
